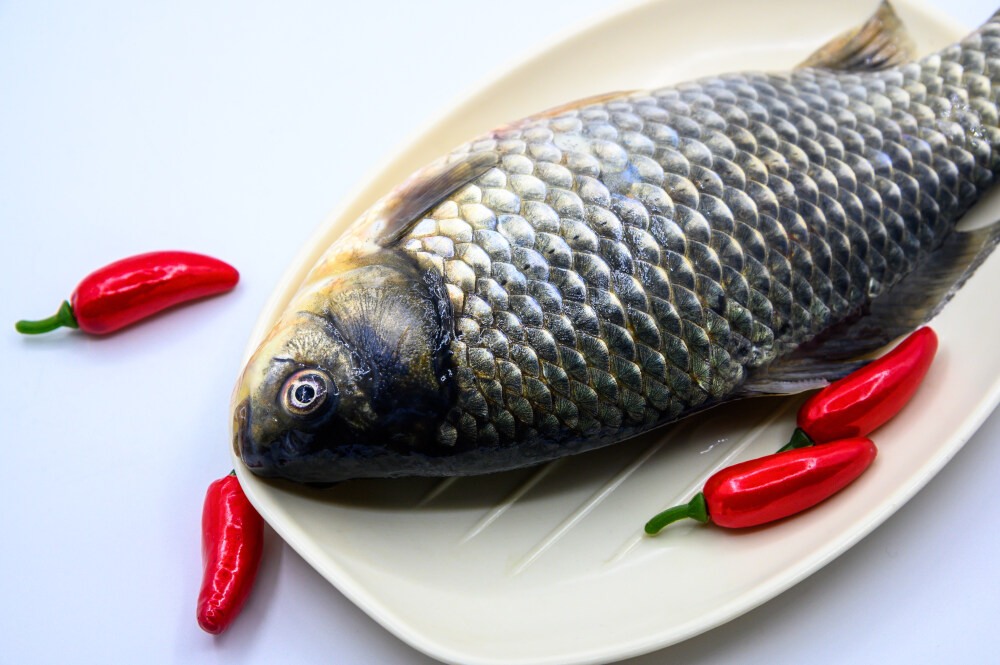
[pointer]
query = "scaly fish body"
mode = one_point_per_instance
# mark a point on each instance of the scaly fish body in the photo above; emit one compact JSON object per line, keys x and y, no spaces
{"x":613,"y":265}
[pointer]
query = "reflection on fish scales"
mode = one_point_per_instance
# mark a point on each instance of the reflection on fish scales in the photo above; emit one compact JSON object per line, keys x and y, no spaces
{"x":572,"y":279}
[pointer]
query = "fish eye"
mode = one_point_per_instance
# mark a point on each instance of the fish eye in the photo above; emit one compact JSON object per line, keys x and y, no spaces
{"x":305,"y":392}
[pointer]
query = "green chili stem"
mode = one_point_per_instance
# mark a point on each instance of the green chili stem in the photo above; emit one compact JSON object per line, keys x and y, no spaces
{"x":696,"y":509}
{"x":799,"y":440}
{"x":64,"y":317}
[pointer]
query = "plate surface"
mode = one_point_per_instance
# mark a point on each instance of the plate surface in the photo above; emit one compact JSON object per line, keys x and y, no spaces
{"x":549,"y":565}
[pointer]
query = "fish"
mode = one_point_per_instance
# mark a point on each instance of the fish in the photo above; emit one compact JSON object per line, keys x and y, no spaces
{"x":575,"y":278}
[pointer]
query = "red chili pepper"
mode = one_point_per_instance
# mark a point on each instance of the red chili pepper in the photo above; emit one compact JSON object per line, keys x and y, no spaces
{"x":125,"y":291}
{"x":866,"y":399}
{"x":772,"y":487}
{"x":231,"y":541}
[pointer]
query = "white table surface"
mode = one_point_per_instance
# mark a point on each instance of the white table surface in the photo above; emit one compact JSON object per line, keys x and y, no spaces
{"x":231,"y":128}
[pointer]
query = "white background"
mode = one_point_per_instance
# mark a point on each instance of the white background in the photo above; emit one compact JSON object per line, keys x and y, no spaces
{"x":231,"y":129}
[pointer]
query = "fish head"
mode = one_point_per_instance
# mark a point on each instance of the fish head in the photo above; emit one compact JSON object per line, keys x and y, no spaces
{"x":351,"y":382}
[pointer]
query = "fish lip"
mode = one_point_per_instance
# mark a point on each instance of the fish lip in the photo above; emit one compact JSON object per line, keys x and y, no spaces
{"x":242,"y":442}
{"x":266,"y":458}
{"x":292,"y":456}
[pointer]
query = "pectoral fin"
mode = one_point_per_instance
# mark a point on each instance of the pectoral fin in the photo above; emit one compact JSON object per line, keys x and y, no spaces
{"x":908,"y":305}
{"x":401,"y":209}
{"x":916,"y":299}
{"x":797,"y":375}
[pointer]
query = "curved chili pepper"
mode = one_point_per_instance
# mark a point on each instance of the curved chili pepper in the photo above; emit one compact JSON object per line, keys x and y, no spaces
{"x":866,"y":399}
{"x":133,"y":288}
{"x":772,"y":487}
{"x":232,"y":535}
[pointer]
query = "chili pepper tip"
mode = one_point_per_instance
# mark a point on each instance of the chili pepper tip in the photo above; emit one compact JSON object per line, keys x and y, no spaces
{"x":64,"y":317}
{"x":210,"y":622}
{"x":696,"y":509}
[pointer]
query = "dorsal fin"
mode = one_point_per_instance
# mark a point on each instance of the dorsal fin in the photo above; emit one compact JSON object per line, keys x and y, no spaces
{"x":580,"y":103}
{"x":405,"y":205}
{"x":880,"y":43}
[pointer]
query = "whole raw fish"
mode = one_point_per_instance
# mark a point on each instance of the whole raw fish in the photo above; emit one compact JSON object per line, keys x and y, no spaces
{"x":575,"y":278}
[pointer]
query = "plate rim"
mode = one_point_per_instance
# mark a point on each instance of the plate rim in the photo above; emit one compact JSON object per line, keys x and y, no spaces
{"x":346,"y":583}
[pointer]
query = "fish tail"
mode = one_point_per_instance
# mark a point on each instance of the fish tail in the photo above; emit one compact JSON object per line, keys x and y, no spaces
{"x":949,"y":135}
{"x":936,"y":154}
{"x":954,"y":147}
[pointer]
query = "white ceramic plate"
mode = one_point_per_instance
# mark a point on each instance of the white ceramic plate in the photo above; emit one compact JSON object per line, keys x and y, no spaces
{"x":549,"y":565}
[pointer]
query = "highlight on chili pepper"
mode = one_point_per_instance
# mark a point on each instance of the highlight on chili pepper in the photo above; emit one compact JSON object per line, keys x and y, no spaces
{"x":134,"y":288}
{"x":772,"y":487}
{"x":866,"y":399}
{"x":232,"y":535}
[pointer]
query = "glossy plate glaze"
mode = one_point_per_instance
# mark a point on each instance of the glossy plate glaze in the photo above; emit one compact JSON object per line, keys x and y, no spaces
{"x":549,"y":565}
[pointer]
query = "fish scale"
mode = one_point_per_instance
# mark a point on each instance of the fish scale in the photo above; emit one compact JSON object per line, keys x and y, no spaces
{"x":634,"y":259}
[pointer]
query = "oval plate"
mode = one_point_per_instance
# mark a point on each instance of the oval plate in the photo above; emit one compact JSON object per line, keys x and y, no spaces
{"x":549,"y":565}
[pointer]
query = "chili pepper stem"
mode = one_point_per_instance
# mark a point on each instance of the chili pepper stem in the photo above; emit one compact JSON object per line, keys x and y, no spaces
{"x":799,"y":439}
{"x":64,"y":317}
{"x":696,"y":509}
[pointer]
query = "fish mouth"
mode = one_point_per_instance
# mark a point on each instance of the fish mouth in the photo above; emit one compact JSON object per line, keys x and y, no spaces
{"x":289,"y":456}
{"x":300,"y":456}
{"x":255,"y":457}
